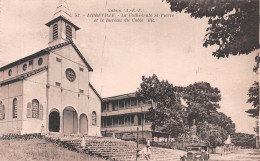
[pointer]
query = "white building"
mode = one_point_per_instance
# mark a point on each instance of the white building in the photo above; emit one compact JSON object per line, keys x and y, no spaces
{"x":50,"y":89}
{"x":121,"y":115}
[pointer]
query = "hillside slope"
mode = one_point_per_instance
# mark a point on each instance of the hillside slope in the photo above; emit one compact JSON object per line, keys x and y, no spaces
{"x":40,"y":150}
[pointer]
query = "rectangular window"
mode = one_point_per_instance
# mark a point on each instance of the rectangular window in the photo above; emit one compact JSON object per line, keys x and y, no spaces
{"x":115,"y":121}
{"x":132,"y":119}
{"x":58,"y":59}
{"x":109,"y":122}
{"x":58,"y":84}
{"x":103,"y":108}
{"x":31,"y":62}
{"x":127,"y":120}
{"x":81,"y":91}
{"x":121,"y":120}
{"x":107,"y":106}
{"x":139,"y":119}
{"x":15,"y":108}
{"x":35,"y":109}
{"x":114,"y":105}
{"x":102,"y":122}
{"x":121,"y":104}
{"x":127,"y":103}
{"x":133,"y":102}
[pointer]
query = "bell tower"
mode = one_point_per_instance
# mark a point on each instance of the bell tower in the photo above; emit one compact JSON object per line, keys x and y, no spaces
{"x":61,"y":28}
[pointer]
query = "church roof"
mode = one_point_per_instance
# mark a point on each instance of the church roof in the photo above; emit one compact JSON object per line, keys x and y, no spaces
{"x":46,"y":51}
{"x":64,"y":19}
{"x":95,"y":91}
{"x":39,"y":53}
{"x":62,"y":12}
{"x":23,"y":76}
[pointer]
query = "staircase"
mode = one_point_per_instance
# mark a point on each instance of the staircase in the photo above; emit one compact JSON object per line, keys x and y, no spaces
{"x":116,"y":149}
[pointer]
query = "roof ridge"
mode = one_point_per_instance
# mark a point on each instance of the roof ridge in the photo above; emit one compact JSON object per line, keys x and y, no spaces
{"x":44,"y":51}
{"x":24,"y":75}
{"x":75,"y":47}
{"x":95,"y":91}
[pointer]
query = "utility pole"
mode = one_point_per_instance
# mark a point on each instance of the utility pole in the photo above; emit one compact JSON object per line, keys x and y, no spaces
{"x":137,"y":142}
{"x":142,"y":123}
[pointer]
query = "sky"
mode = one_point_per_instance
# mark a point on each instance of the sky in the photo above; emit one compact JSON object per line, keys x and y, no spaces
{"x":122,"y":52}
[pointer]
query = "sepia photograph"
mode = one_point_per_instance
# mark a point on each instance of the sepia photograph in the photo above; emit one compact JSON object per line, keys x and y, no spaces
{"x":132,"y":80}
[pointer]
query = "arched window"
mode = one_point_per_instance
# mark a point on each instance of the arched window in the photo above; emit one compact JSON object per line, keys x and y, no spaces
{"x":35,"y":108}
{"x":55,"y":31}
{"x":2,"y":111}
{"x":94,"y":118}
{"x":15,"y":108}
{"x":68,"y":32}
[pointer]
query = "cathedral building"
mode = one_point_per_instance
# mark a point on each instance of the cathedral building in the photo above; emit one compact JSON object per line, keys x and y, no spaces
{"x":50,"y":90}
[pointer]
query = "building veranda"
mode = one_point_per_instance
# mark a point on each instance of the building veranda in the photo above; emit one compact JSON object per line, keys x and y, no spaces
{"x":121,"y":115}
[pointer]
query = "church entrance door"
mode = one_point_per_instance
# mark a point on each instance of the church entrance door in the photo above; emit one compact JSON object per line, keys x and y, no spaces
{"x":54,"y":121}
{"x":83,"y":128}
{"x":70,"y":120}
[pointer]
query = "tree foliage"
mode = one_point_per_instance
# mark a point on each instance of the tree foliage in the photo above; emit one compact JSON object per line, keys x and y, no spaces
{"x":202,"y":101}
{"x":253,"y":94}
{"x":212,"y":134}
{"x":166,"y":114}
{"x":233,"y":24}
{"x":169,"y":115}
{"x":244,"y":140}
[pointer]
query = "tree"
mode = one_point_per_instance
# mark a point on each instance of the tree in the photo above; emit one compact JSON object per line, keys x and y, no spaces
{"x":212,"y":134}
{"x":233,"y":24}
{"x":244,"y":140}
{"x":168,"y":115}
{"x":202,"y":101}
{"x":166,"y":110}
{"x":253,"y":94}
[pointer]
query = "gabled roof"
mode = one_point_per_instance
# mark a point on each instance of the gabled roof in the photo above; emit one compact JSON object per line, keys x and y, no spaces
{"x":90,"y":85}
{"x":64,"y":19}
{"x":46,"y":51}
{"x":23,"y":76}
{"x":39,"y":53}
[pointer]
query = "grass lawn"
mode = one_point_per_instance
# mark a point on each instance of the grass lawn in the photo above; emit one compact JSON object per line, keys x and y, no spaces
{"x":39,"y":150}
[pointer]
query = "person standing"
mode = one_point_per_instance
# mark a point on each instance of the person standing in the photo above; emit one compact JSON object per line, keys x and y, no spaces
{"x":146,"y":151}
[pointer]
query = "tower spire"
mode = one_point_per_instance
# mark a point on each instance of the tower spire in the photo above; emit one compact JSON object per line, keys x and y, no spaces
{"x":62,"y":10}
{"x":61,"y":28}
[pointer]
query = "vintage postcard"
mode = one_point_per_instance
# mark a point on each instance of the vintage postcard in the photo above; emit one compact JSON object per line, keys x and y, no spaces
{"x":129,"y":80}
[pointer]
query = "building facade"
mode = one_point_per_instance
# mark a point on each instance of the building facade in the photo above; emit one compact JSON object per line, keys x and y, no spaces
{"x":122,"y":114}
{"x":50,"y":90}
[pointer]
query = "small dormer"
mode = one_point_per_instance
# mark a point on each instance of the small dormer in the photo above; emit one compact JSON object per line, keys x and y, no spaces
{"x":61,"y":28}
